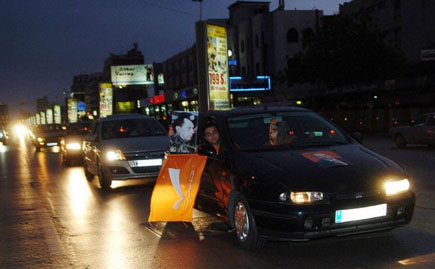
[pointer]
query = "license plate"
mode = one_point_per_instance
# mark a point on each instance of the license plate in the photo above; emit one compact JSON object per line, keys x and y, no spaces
{"x":149,"y":162}
{"x":360,"y":213}
{"x":51,"y":144}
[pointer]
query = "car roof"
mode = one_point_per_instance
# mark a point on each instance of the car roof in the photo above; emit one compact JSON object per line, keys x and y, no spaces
{"x":256,"y":109}
{"x":124,"y":117}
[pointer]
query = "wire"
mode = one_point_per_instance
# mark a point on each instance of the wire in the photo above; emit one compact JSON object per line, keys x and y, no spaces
{"x":168,"y":8}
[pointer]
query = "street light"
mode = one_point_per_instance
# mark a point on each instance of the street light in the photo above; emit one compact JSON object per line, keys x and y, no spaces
{"x":200,"y":8}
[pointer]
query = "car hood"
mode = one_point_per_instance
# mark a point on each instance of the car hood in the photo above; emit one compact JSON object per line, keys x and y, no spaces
{"x":74,"y":138}
{"x":137,"y":144}
{"x":328,"y":169}
{"x":50,"y":134}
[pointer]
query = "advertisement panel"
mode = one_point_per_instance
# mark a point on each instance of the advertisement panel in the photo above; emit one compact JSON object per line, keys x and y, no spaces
{"x":132,"y":74}
{"x":43,"y":122}
{"x":49,"y":115}
{"x":38,"y":119}
{"x":57,"y":114}
{"x":217,"y":63}
{"x":123,"y":107}
{"x":72,"y":110}
{"x":106,"y":100}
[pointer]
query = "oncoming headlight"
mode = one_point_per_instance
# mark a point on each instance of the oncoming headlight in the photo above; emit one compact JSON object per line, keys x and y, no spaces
{"x":40,"y":139}
{"x":113,"y":155}
{"x":73,"y":146}
{"x":395,"y":187}
{"x":302,"y":197}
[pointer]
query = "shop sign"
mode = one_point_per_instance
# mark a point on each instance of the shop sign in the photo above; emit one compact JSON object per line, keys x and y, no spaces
{"x":157,"y":99}
{"x":49,"y":115}
{"x":106,"y":100}
{"x":57,"y":114}
{"x":72,"y":110}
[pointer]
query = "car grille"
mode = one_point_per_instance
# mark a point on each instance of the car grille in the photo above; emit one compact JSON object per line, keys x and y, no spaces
{"x":357,"y":195}
{"x":144,"y":155}
{"x":143,"y":170}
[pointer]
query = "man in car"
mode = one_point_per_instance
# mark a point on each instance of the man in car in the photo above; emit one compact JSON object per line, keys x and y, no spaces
{"x":211,"y":135}
{"x":181,"y":142}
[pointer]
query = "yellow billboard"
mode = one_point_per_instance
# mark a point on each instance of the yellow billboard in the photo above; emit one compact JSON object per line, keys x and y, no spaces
{"x":217,"y":66}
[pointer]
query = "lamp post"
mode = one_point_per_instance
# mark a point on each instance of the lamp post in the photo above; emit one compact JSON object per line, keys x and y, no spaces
{"x":200,"y":8}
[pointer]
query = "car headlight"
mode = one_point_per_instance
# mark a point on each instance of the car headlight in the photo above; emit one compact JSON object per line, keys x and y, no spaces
{"x":1,"y":135}
{"x":40,"y":139}
{"x":395,"y":187}
{"x":113,"y":155}
{"x":302,"y":197}
{"x":73,"y":146}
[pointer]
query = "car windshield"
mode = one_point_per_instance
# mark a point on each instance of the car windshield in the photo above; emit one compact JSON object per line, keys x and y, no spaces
{"x":131,"y":128}
{"x":282,"y":130}
{"x":79,"y":129}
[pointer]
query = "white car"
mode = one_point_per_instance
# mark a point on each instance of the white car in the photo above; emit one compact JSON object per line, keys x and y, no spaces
{"x":422,"y":132}
{"x":126,"y":146}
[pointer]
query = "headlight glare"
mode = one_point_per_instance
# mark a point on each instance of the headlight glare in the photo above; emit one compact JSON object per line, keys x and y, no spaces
{"x":40,"y":139}
{"x":113,"y":155}
{"x":73,"y":146}
{"x":395,"y":187}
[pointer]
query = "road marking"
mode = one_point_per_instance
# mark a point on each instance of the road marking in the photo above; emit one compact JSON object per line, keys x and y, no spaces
{"x":51,"y":237}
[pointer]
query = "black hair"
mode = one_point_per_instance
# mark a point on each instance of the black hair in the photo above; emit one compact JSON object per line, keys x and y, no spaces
{"x":180,"y":119}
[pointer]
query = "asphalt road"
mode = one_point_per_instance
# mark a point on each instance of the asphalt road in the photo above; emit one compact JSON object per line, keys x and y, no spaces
{"x":52,"y":217}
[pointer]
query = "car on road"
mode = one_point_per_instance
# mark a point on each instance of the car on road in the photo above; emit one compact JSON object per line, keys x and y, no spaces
{"x":420,"y":132}
{"x":71,"y":147}
{"x":286,"y":173}
{"x":46,"y":136}
{"x":3,"y":135}
{"x":125,"y":146}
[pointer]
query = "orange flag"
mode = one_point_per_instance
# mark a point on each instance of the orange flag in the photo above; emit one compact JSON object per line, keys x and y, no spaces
{"x":176,"y":188}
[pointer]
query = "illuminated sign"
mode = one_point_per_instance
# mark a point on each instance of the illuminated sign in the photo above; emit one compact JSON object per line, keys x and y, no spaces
{"x":106,"y":100}
{"x":217,"y":56}
{"x":43,"y":121}
{"x":49,"y":115}
{"x":72,"y":110}
{"x":232,"y":62}
{"x":38,"y":119}
{"x":123,"y":107}
{"x":157,"y":99}
{"x":261,"y":83}
{"x":81,"y":106}
{"x":57,"y":114}
{"x":132,"y":74}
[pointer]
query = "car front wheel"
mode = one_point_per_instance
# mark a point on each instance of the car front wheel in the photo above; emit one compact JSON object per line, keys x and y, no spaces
{"x":105,"y":182}
{"x":244,"y":224}
{"x":89,"y":175}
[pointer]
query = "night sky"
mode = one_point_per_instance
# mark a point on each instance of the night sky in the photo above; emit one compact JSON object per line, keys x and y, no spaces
{"x":44,"y":43}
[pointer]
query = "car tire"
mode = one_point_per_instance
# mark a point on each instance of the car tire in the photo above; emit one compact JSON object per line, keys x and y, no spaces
{"x":105,"y":182}
{"x":89,"y":175}
{"x":244,"y":225}
{"x":400,"y":141}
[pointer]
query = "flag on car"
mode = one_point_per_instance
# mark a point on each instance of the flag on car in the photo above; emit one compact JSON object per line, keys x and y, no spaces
{"x":176,"y":188}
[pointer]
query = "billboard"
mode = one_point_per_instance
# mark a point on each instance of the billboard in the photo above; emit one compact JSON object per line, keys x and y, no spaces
{"x":106,"y":100}
{"x":217,"y":66}
{"x":72,"y":110}
{"x":43,"y":122}
{"x":132,"y":74}
{"x":57,"y":114}
{"x":49,"y":115}
{"x":38,"y":119}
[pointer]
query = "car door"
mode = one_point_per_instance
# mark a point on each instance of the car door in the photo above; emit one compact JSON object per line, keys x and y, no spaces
{"x":419,"y":131}
{"x":215,"y":187}
{"x":90,"y":149}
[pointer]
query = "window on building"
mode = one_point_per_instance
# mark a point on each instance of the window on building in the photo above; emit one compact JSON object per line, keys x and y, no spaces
{"x":242,"y":46}
{"x":292,"y":36}
{"x":256,"y":40}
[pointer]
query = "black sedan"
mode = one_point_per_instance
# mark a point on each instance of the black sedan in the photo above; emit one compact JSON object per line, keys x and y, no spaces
{"x":47,"y":136}
{"x":71,"y":146}
{"x":286,"y":173}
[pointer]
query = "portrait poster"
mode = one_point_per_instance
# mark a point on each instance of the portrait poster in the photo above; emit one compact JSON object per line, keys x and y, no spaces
{"x":182,"y":132}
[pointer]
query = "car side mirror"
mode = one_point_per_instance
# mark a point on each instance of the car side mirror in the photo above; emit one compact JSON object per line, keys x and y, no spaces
{"x":207,"y":150}
{"x":357,"y":136}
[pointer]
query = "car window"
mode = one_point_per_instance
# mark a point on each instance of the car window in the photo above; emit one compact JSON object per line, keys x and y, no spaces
{"x":281,"y":130}
{"x":79,"y":129}
{"x":131,"y":128}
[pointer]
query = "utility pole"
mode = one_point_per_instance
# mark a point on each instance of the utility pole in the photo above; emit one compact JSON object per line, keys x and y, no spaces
{"x":200,"y":8}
